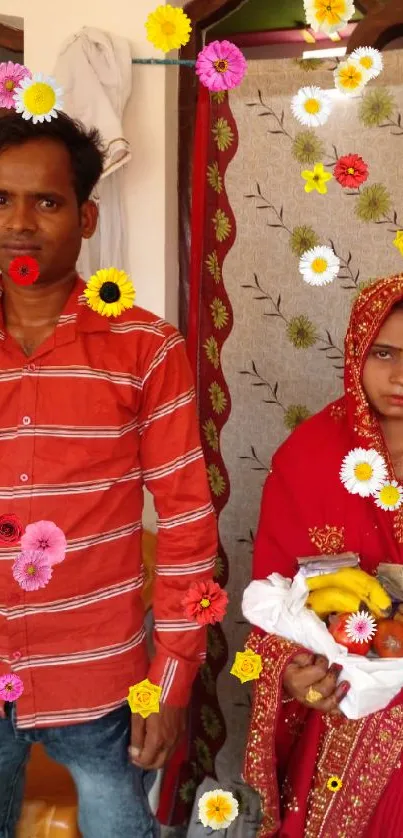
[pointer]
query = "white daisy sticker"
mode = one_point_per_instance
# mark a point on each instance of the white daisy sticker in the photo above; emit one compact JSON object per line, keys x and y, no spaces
{"x":350,"y":77}
{"x":217,"y":809}
{"x":38,"y":98}
{"x":390,"y":496}
{"x":360,"y":627}
{"x":319,"y":266}
{"x":363,"y":472}
{"x":369,"y":58}
{"x":311,"y":106}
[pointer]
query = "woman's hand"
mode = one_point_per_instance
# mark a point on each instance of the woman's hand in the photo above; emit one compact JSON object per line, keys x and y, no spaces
{"x":309,"y":676}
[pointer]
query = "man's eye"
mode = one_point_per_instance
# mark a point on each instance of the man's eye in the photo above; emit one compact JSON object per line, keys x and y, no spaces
{"x":3,"y":200}
{"x":48,"y":203}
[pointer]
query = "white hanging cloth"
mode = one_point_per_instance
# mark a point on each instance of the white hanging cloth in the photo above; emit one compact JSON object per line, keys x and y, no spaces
{"x":95,"y":70}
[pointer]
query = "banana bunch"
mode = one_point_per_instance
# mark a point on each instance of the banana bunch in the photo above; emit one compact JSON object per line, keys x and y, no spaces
{"x":345,"y":590}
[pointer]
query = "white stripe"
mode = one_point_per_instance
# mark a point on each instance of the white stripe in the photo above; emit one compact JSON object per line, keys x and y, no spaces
{"x":102,"y":653}
{"x":170,"y":343}
{"x":168,"y":408}
{"x":170,"y":678}
{"x":176,"y":625}
{"x":185,"y":569}
{"x":63,"y":716}
{"x":70,"y":431}
{"x":185,"y":518}
{"x":136,"y":326}
{"x":49,"y":490}
{"x":75,"y":371}
{"x":18,"y":612}
{"x":174,"y":465}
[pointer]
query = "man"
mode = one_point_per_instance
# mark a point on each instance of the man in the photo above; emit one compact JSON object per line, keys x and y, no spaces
{"x":92,"y":408}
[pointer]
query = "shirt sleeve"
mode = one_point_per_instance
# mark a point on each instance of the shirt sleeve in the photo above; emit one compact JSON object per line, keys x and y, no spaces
{"x":174,"y":472}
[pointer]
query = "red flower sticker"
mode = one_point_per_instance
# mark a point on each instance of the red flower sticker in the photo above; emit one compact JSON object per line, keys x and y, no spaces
{"x":24,"y":270}
{"x":205,"y":602}
{"x":11,"y":529}
{"x":351,"y":171}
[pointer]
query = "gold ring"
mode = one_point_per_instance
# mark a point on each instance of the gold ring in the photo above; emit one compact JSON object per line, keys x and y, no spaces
{"x":313,"y":696}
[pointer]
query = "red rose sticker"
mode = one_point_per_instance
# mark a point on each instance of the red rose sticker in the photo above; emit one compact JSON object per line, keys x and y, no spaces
{"x":351,"y":171}
{"x":11,"y":529}
{"x":24,"y":270}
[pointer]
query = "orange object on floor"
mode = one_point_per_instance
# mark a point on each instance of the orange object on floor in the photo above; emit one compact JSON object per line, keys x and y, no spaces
{"x":50,"y":803}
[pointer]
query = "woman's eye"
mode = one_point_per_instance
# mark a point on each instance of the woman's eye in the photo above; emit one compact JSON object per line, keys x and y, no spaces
{"x":382,"y":354}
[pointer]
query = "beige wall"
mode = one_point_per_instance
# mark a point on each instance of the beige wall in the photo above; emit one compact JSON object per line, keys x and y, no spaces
{"x":150,"y":124}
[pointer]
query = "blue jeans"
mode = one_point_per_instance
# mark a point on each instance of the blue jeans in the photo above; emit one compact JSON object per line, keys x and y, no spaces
{"x":112,"y":793}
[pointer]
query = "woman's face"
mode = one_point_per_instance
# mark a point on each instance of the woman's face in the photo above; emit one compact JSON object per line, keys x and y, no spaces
{"x":383,"y":369}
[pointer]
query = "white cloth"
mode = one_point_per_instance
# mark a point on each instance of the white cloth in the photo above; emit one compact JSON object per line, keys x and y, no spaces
{"x":277,"y":606}
{"x":95,"y":70}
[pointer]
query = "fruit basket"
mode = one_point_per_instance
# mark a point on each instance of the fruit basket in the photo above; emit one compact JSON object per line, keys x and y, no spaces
{"x":285,"y":607}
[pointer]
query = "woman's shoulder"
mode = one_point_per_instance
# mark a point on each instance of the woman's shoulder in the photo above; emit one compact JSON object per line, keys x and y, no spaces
{"x":322,"y":434}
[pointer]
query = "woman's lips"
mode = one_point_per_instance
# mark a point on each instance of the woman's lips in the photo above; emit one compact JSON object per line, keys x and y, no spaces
{"x":395,"y":399}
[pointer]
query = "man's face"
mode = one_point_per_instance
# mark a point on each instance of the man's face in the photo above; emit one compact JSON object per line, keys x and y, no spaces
{"x":383,"y":369}
{"x":39,"y":213}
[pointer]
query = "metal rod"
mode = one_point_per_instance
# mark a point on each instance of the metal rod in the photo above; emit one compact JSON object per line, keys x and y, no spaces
{"x":166,"y":61}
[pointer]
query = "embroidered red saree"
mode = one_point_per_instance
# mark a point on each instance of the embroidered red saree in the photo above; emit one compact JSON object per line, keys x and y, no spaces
{"x":292,"y":751}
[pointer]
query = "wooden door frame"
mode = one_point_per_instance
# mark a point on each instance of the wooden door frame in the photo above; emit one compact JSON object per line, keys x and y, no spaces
{"x":12,"y":39}
{"x":202,"y":13}
{"x":382,"y":25}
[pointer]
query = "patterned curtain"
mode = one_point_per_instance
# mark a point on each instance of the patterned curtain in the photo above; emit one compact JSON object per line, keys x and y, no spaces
{"x":268,"y":346}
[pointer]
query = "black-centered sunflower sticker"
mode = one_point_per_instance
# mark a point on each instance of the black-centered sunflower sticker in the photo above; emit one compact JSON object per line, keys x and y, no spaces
{"x":110,"y":292}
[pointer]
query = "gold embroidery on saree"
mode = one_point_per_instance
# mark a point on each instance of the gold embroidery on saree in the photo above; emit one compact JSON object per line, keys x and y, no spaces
{"x":259,"y":770}
{"x":328,"y":540}
{"x":364,"y":754}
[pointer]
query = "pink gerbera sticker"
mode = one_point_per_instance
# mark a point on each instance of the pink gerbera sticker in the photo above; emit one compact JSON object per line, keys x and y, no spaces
{"x":10,"y":77}
{"x":32,"y":570}
{"x":47,"y":538}
{"x":11,"y":687}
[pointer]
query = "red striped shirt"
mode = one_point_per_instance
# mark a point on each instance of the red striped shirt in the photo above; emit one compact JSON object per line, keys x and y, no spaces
{"x":100,"y":409}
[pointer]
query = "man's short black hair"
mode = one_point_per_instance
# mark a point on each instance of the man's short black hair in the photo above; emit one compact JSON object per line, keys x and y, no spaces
{"x":84,"y":146}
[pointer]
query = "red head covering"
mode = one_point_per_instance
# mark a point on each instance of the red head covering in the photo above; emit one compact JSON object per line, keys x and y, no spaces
{"x":369,"y":312}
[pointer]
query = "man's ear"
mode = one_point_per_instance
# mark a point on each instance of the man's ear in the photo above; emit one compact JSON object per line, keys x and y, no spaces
{"x":89,"y":219}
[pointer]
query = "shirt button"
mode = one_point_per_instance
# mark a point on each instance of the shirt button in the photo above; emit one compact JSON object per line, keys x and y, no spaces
{"x":26,"y":420}
{"x":31,"y":367}
{"x":17,"y":656}
{"x":23,"y":478}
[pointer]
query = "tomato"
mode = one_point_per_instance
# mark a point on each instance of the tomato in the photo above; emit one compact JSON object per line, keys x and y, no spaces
{"x":337,"y":628}
{"x":388,"y":642}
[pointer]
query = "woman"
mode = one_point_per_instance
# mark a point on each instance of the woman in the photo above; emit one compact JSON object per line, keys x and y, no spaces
{"x":318,"y":773}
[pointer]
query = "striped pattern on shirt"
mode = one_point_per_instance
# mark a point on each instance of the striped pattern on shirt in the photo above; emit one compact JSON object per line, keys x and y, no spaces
{"x":102,"y":408}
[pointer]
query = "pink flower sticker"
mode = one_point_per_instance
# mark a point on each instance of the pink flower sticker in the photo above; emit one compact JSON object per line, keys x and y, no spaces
{"x":221,"y":66}
{"x":46,"y":537}
{"x":32,"y":570}
{"x":10,"y":77}
{"x":205,"y":602}
{"x":11,"y":687}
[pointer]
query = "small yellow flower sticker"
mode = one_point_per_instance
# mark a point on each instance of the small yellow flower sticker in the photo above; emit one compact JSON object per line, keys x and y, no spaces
{"x":398,"y":241}
{"x":247,"y":666}
{"x":316,"y":179}
{"x":144,"y":698}
{"x":334,"y":784}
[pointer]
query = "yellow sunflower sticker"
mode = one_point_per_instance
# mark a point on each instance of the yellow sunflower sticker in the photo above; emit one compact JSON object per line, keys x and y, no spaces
{"x":110,"y":292}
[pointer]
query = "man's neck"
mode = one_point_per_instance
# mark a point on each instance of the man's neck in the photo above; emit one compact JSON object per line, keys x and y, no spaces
{"x":35,"y":306}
